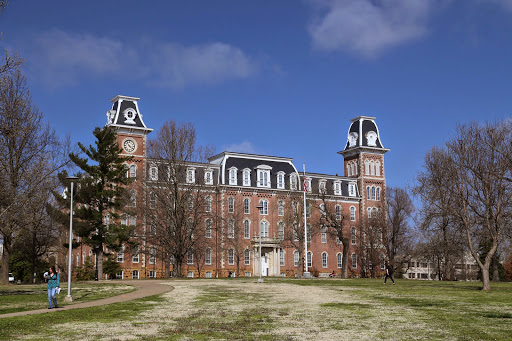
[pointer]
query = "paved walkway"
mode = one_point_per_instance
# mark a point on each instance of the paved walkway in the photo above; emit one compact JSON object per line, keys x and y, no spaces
{"x":145,"y":288}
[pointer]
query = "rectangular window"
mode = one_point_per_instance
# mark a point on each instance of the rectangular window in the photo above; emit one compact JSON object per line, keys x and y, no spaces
{"x":339,"y":258}
{"x":296,"y":258}
{"x":247,"y":274}
{"x":353,"y":235}
{"x":324,"y":238}
{"x":281,"y":257}
{"x":120,"y":256}
{"x":119,"y":275}
{"x":135,"y":256}
{"x":246,"y":177}
{"x":247,"y":206}
{"x":280,"y":180}
{"x":231,"y":205}
{"x":208,"y":274}
{"x":247,"y":229}
{"x":152,"y":274}
{"x":190,"y":258}
{"x":208,"y":177}
{"x":191,"y":175}
{"x":352,"y":213}
{"x":324,"y":260}
{"x":152,"y":255}
{"x":354,"y":261}
{"x":280,"y":208}
{"x":310,"y":260}
{"x":208,"y":257}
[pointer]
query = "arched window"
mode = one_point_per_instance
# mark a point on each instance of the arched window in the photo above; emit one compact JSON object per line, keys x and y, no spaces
{"x":378,"y":193}
{"x":231,"y":228}
{"x":324,"y":259}
{"x":372,"y":168}
{"x":374,"y":212}
{"x":373,"y":193}
{"x":368,"y":193}
{"x":310,"y":259}
{"x":280,"y":208}
{"x":264,"y":229}
{"x":349,"y":169}
{"x":354,"y":168}
{"x":133,"y":171}
{"x":231,"y":205}
{"x":339,"y":258}
{"x":338,"y":212}
{"x":208,"y":256}
{"x":247,"y":229}
{"x":247,"y":205}
{"x":264,"y":204}
{"x":352,"y":213}
{"x":293,"y":182}
{"x":135,"y":274}
{"x":377,"y":168}
{"x":353,"y":235}
{"x":295,"y":258}
{"x":232,"y":176}
{"x":280,"y":230}
{"x":354,"y":261}
{"x":208,"y":204}
{"x":246,"y":177}
{"x":281,"y":257}
{"x":208,"y":228}
{"x":280,"y":180}
{"x":366,"y":167}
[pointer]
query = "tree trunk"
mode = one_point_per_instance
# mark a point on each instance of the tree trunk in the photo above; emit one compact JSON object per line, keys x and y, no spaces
{"x":495,"y":269}
{"x":177,"y":268}
{"x":4,"y":269}
{"x":485,"y":278}
{"x":99,"y":263}
{"x":167,"y":265}
{"x":344,"y":261}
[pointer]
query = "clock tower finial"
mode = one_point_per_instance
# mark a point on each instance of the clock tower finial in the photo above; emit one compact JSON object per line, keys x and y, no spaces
{"x":125,"y":115}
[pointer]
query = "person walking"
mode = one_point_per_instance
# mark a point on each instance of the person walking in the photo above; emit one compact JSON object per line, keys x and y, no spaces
{"x":53,"y":283}
{"x":389,"y":273}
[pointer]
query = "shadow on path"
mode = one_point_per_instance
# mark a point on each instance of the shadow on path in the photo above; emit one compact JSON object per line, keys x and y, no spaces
{"x":145,"y":288}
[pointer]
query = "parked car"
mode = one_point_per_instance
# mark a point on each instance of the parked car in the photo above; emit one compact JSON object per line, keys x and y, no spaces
{"x":11,"y":277}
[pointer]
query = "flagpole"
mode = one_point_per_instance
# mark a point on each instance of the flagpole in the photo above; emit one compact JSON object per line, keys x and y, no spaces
{"x":306,"y":273}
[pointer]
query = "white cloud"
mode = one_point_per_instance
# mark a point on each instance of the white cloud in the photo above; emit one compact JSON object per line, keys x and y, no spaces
{"x":368,"y":27}
{"x":243,"y":147}
{"x":506,"y":4}
{"x":65,"y":58}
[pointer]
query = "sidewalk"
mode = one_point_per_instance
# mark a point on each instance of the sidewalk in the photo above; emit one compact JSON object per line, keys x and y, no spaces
{"x":146,"y":288}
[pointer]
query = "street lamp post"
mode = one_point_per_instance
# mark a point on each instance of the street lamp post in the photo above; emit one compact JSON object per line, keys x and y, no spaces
{"x":260,"y":207}
{"x":69,"y":298}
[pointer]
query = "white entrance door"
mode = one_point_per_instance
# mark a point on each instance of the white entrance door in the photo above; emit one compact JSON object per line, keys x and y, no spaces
{"x":264,"y":265}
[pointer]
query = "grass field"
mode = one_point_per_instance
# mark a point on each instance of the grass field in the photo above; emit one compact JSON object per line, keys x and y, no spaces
{"x":286,"y":309}
{"x":14,"y":298}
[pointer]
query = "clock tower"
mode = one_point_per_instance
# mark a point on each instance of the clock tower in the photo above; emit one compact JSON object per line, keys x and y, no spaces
{"x":132,"y":132}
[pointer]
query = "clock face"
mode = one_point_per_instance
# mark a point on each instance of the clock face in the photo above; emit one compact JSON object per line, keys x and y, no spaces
{"x":129,"y":145}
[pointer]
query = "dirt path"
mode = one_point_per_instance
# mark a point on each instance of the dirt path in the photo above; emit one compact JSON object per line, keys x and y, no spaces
{"x":145,"y":288}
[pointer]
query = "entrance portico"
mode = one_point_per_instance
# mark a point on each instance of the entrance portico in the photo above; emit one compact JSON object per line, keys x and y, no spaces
{"x":268,"y":264}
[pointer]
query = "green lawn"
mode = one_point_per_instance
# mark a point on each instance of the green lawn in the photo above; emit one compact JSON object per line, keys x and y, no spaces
{"x":14,"y":298}
{"x":287,"y":309}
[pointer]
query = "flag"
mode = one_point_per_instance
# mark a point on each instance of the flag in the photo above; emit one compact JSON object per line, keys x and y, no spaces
{"x":305,"y":184}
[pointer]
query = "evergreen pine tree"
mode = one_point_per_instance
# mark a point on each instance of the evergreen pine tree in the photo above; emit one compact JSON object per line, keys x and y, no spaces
{"x":101,"y":195}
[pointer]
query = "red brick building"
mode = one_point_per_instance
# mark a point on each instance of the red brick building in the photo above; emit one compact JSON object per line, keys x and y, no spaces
{"x":234,"y":184}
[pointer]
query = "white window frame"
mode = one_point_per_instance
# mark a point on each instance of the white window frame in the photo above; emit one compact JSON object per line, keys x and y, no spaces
{"x":191,"y":175}
{"x":337,"y":187}
{"x":208,"y":177}
{"x":264,"y":203}
{"x":133,"y":171}
{"x":324,"y":259}
{"x":247,"y":206}
{"x":208,"y":204}
{"x":233,"y":176}
{"x":153,"y":172}
{"x":231,"y":257}
{"x":208,"y":256}
{"x":135,"y":274}
{"x":247,"y":229}
{"x":351,"y":190}
{"x":264,"y":227}
{"x":353,"y":235}
{"x":309,"y":259}
{"x":339,"y":260}
{"x":308,"y":184}
{"x":354,"y":261}
{"x":280,"y":208}
{"x":120,"y":255}
{"x":246,"y":177}
{"x":190,"y":258}
{"x":208,"y":228}
{"x":324,"y":238}
{"x":281,"y":257}
{"x":152,"y":255}
{"x":231,"y":228}
{"x":263,"y":176}
{"x":280,"y":180}
{"x":293,"y":182}
{"x":352,"y":213}
{"x":280,"y":230}
{"x":337,"y":209}
{"x":231,"y":205}
{"x":296,"y":258}
{"x":322,"y":186}
{"x":247,"y":257}
{"x":135,"y":256}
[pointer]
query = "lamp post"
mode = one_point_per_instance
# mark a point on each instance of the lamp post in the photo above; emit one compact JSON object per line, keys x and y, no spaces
{"x":260,"y":207}
{"x":69,"y":298}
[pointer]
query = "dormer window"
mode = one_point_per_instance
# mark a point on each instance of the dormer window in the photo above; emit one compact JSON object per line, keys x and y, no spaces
{"x":191,"y":175}
{"x":233,"y":176}
{"x":293,"y":182}
{"x":322,"y":187}
{"x":308,"y":185}
{"x":337,"y":188}
{"x":246,"y":177}
{"x":263,"y":176}
{"x":208,"y":177}
{"x":351,"y":190}
{"x":280,"y":180}
{"x":153,"y":173}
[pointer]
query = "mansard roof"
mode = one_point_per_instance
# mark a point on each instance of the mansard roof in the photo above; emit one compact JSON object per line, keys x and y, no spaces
{"x":125,"y":114}
{"x":363,"y":132}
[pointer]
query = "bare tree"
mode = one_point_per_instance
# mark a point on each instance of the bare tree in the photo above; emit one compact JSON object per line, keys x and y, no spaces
{"x":176,"y":180}
{"x":235,"y":240}
{"x":29,"y":153}
{"x":480,"y":196}
{"x":395,"y":231}
{"x":293,"y":236}
{"x":336,"y":223}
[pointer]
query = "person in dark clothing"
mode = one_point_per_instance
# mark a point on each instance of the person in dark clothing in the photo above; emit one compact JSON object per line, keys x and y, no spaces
{"x":389,"y":274}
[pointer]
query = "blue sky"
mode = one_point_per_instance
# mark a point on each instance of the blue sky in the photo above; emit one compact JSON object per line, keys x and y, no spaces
{"x":272,"y":77}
